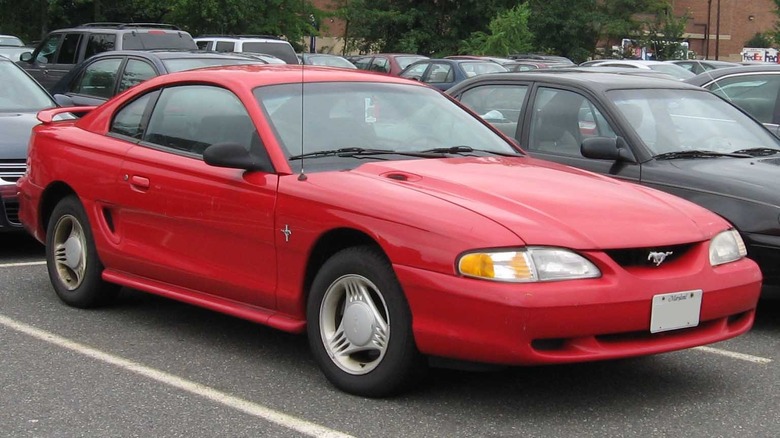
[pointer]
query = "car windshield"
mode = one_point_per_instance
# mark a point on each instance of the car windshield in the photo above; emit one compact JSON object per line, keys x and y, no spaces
{"x":689,"y":120}
{"x":481,"y":68}
{"x":19,"y":92}
{"x":10,"y":41}
{"x":375,"y":116}
{"x":330,"y":61}
{"x":404,"y":61}
{"x":672,"y":70}
{"x":181,"y":64}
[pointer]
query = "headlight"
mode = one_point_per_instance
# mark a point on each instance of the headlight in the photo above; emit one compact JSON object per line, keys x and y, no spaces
{"x":726,"y":247}
{"x":527,"y":265}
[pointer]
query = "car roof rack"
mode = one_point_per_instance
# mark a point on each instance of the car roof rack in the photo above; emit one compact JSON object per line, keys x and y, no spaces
{"x":269,"y":37}
{"x":131,"y":25}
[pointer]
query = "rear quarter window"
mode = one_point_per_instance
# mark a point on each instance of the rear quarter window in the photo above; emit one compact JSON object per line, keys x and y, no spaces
{"x":157,"y":39}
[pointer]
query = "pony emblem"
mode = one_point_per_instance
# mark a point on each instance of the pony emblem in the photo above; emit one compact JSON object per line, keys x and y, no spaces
{"x":658,"y":257}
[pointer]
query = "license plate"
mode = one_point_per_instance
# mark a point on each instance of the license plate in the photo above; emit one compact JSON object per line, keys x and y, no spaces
{"x":675,"y":310}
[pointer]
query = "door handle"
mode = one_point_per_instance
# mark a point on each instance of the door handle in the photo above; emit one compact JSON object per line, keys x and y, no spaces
{"x":139,"y":182}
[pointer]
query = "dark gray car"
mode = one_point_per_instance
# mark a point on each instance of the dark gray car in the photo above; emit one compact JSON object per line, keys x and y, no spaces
{"x":62,"y":49}
{"x":20,"y":99}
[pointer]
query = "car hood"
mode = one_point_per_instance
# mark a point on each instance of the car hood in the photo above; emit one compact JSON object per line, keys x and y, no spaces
{"x":747,"y":178}
{"x":15,"y":128}
{"x":546,"y":203}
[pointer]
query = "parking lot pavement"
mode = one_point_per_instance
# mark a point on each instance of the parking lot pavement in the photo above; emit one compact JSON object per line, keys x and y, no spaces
{"x":151,"y":366}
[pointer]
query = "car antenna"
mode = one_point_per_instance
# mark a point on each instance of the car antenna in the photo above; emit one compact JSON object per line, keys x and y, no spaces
{"x":302,"y":176}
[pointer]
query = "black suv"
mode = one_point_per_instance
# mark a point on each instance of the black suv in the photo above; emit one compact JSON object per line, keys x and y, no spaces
{"x":62,"y":49}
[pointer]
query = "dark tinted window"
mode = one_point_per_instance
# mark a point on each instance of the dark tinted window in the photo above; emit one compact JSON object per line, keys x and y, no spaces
{"x":180,"y":121}
{"x":99,"y":43}
{"x":281,"y":49}
{"x":128,"y":121}
{"x":136,"y":71}
{"x":224,"y":46}
{"x":157,"y":39}
{"x":99,"y":78}
{"x":69,"y":49}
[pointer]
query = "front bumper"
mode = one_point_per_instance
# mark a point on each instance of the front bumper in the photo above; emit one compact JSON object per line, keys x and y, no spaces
{"x":579,"y":320}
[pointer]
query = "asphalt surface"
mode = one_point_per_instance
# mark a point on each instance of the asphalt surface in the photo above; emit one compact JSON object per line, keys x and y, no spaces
{"x":148,"y":366}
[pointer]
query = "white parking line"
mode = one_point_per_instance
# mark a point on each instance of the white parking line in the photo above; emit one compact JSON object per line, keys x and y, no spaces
{"x":734,"y":355}
{"x":259,"y":411}
{"x":13,"y":265}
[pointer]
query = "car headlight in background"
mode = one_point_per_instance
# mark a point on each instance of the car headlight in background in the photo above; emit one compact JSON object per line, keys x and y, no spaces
{"x":726,"y":247}
{"x":526,"y":265}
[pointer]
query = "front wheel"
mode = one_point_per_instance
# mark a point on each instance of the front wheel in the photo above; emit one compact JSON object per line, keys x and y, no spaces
{"x":71,"y":258}
{"x":359,"y":325}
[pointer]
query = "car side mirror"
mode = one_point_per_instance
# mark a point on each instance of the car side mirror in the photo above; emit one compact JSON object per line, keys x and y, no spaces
{"x":606,"y":148}
{"x":235,"y":156}
{"x":63,"y":100}
{"x":26,"y":57}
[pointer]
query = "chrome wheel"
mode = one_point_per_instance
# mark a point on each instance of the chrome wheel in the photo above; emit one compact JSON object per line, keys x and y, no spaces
{"x":354,"y":324}
{"x":70,"y":251}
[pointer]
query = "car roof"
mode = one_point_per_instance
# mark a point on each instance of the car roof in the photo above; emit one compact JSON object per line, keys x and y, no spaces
{"x":709,"y":76}
{"x":120,"y":27}
{"x":254,"y":75}
{"x":171,"y":54}
{"x":596,"y":81}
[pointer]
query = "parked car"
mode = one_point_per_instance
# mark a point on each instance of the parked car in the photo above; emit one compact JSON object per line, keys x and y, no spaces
{"x":62,"y":49}
{"x":266,"y":44}
{"x":664,"y":67}
{"x":754,"y":88}
{"x":20,"y":99}
{"x":444,"y":73}
{"x":550,"y":60}
{"x":698,"y":66}
{"x":389,"y":63}
{"x":391,"y":226}
{"x":109,"y":73}
{"x":326,"y":60}
{"x":660,"y":133}
{"x":524,"y":65}
{"x":12,"y":47}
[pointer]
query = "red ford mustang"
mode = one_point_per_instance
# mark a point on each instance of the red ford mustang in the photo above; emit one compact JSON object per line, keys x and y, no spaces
{"x":380,"y":217}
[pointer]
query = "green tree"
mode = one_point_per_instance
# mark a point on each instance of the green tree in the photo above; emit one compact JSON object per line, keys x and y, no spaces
{"x":760,"y":40}
{"x":508,"y":33}
{"x":663,"y":33}
{"x":565,"y":28}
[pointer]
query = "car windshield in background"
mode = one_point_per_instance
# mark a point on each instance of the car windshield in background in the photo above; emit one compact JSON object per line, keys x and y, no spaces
{"x":481,"y":68}
{"x":388,"y":117}
{"x":181,"y":64}
{"x":157,"y":39}
{"x":689,"y":120}
{"x":281,"y":51}
{"x":673,"y":70}
{"x":19,"y":92}
{"x":404,"y":61}
{"x":11,"y":41}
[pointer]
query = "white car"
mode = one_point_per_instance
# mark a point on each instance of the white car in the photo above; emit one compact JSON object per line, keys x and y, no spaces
{"x":670,"y":69}
{"x":249,"y":43}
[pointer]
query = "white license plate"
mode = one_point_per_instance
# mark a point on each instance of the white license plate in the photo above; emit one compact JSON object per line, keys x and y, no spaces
{"x":675,"y":311}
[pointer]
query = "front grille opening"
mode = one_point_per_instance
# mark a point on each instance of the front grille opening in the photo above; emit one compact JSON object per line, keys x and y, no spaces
{"x":648,"y":257}
{"x":12,"y":212}
{"x":548,"y":344}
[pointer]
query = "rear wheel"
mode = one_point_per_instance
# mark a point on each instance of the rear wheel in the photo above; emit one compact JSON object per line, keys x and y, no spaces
{"x":71,"y":258}
{"x":359,"y":325}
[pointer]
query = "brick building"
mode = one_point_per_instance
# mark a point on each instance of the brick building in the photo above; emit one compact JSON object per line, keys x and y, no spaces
{"x":739,"y":21}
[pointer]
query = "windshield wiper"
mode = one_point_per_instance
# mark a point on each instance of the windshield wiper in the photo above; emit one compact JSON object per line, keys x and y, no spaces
{"x":758,"y":152}
{"x":467,"y":149}
{"x":359,"y":152}
{"x":699,"y":154}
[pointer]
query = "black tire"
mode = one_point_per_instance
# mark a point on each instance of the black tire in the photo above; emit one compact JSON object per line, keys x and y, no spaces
{"x":71,"y":258}
{"x":390,"y":362}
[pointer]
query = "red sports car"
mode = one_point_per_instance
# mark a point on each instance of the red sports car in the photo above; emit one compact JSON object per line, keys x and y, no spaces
{"x":380,"y":217}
